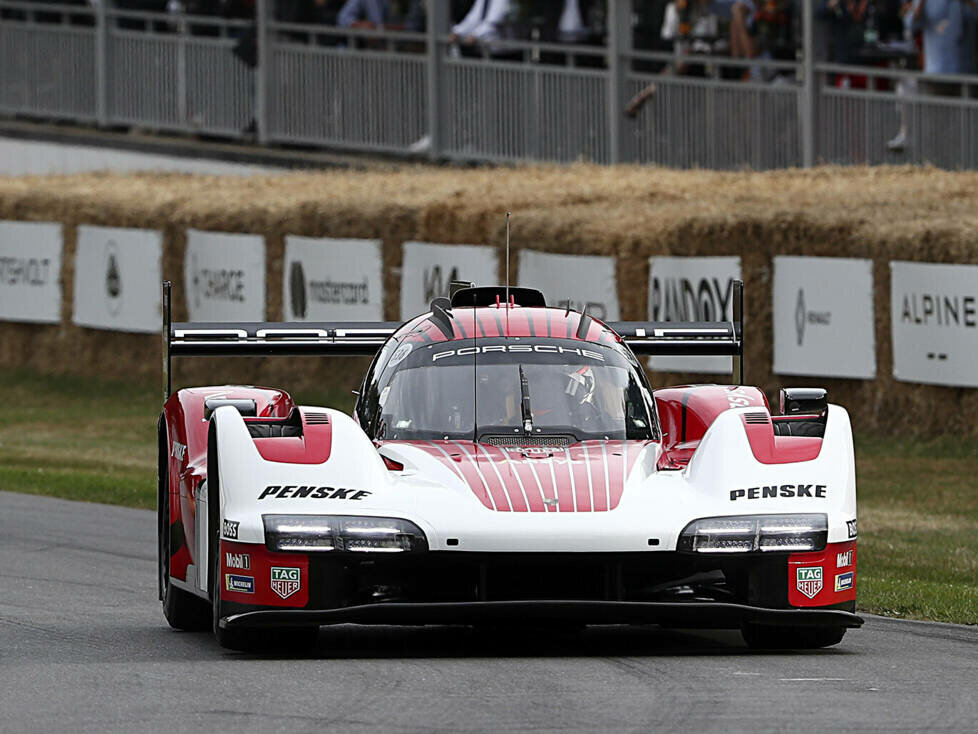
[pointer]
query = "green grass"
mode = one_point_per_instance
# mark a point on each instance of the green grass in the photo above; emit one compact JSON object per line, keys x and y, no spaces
{"x":94,"y":440}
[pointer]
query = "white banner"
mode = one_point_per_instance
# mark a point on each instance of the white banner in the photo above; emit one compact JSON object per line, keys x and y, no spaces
{"x":224,"y":276}
{"x":332,"y":280}
{"x":823,"y":317}
{"x":428,"y":269}
{"x":577,"y":281}
{"x":692,"y":289}
{"x":117,"y":279}
{"x":934,"y":317}
{"x":30,"y":272}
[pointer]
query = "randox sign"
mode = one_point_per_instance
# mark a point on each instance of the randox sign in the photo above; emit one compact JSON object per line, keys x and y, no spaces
{"x":692,"y":289}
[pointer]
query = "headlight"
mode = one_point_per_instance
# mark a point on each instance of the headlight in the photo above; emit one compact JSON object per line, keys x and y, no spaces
{"x":746,"y":533}
{"x":342,"y":533}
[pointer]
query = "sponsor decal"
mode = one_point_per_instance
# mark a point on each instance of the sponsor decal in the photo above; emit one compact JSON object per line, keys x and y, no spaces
{"x":229,"y":529}
{"x":803,"y":316}
{"x":551,"y":501}
{"x":808,"y":579}
{"x":842,"y":560}
{"x":237,"y":560}
{"x":843,"y":581}
{"x":815,"y":491}
{"x":517,"y":349}
{"x":286,"y":581}
{"x":399,"y":355}
{"x":30,"y":271}
{"x":113,"y":280}
{"x":297,"y":289}
{"x":737,"y":399}
{"x":283,"y":491}
{"x":241,"y":584}
{"x":178,"y":450}
{"x":853,"y":528}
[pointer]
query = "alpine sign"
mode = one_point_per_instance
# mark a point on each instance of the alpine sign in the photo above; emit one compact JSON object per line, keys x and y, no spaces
{"x":934,"y":318}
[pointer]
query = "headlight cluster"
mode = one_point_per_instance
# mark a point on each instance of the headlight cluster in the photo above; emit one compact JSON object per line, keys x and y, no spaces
{"x":747,"y":533}
{"x":342,"y":533}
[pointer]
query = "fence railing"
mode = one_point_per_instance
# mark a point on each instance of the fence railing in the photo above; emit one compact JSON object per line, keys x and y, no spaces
{"x":414,"y":93}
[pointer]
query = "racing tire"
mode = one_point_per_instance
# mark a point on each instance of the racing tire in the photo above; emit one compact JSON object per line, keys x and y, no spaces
{"x":763,"y":637}
{"x":182,"y":610}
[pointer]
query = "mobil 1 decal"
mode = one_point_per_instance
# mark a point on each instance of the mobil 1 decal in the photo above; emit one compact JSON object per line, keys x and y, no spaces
{"x":771,"y":491}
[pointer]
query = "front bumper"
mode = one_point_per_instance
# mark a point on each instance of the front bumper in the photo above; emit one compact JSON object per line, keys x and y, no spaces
{"x":713,"y":615}
{"x":663,"y":587}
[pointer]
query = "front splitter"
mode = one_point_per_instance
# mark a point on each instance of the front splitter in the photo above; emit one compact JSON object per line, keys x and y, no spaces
{"x":713,"y":615}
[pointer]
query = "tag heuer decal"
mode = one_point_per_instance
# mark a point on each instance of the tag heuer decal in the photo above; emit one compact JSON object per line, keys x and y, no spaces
{"x":286,"y":581}
{"x":809,"y":580}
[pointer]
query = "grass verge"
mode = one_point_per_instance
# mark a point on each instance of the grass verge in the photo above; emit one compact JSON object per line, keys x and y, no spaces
{"x":94,"y":440}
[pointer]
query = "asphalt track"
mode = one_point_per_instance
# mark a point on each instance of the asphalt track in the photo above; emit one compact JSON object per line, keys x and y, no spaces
{"x":84,"y":648}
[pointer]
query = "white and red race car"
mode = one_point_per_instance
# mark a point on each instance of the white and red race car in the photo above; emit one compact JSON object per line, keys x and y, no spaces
{"x":506,"y":461}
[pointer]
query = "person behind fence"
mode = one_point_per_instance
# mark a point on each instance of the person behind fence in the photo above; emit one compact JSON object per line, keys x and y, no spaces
{"x":693,"y":26}
{"x":370,"y":14}
{"x":948,"y":27}
{"x":482,"y":23}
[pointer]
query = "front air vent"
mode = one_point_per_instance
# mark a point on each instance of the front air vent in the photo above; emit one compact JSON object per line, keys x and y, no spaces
{"x":757,"y":418}
{"x":559,"y":442}
{"x":316,"y":419}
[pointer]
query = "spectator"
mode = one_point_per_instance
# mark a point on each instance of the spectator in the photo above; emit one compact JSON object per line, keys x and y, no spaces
{"x":563,"y":21}
{"x":481,"y":24}
{"x":949,"y":38}
{"x":845,"y":21}
{"x":364,"y":14}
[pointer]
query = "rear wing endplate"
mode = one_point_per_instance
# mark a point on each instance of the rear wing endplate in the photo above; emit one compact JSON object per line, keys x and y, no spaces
{"x":705,"y":338}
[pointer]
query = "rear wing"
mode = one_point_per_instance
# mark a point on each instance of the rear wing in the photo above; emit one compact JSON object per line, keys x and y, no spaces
{"x":364,"y":338}
{"x":704,"y":338}
{"x":262,"y":339}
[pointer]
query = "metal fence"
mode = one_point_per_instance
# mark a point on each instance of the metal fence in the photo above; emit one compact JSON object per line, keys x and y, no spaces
{"x":414,"y":93}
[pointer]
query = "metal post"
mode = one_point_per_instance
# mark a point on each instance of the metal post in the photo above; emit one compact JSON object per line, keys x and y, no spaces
{"x":438,"y":25}
{"x":101,"y":64}
{"x":166,"y":340}
{"x":809,"y":90}
{"x":619,"y":39}
{"x":182,"y":85}
{"x":264,"y":63}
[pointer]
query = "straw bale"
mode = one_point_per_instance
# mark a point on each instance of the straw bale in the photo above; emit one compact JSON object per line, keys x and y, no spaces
{"x":630,"y":212}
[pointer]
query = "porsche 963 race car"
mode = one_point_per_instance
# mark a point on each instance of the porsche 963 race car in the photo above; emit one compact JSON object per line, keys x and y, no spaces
{"x":506,"y":460}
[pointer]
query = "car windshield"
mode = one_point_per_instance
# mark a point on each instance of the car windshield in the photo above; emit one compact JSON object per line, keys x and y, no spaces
{"x":530,"y":387}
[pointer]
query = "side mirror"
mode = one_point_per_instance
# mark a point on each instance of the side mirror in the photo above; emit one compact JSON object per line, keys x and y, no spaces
{"x":803,"y":400}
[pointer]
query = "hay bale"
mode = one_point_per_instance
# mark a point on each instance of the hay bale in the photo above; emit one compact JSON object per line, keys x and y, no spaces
{"x":630,"y":212}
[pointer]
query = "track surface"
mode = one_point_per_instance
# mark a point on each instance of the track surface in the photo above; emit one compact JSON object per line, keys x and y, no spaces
{"x":83,"y":647}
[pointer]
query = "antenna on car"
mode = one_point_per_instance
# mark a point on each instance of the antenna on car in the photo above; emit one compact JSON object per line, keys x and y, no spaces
{"x":507,"y":262}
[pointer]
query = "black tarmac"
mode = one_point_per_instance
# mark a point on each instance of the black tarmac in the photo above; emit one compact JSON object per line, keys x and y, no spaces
{"x":84,"y":648}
